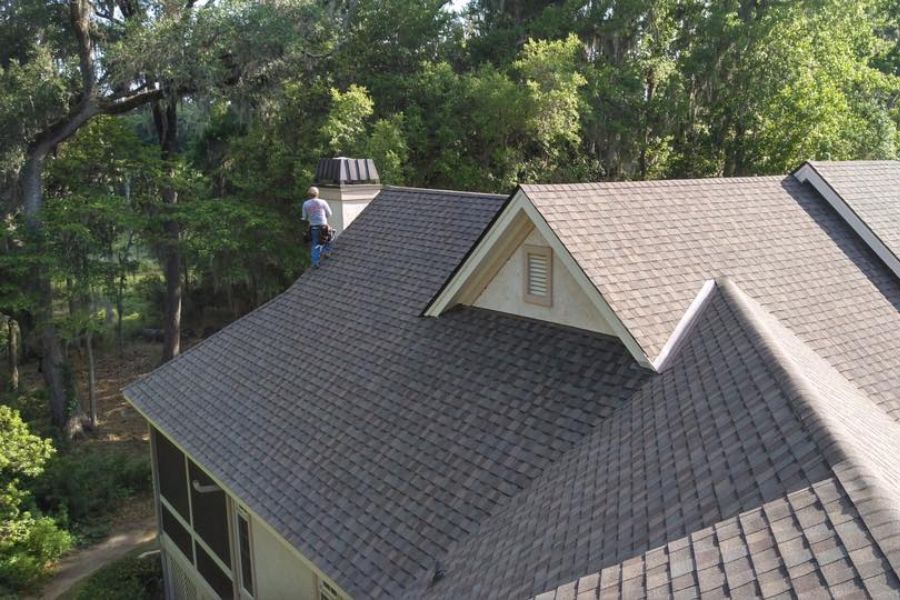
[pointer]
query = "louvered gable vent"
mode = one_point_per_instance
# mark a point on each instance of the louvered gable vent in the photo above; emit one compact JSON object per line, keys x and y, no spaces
{"x":538,"y":275}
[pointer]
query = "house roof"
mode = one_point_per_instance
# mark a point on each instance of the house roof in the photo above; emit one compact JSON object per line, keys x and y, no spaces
{"x":812,"y":543}
{"x":649,"y":247}
{"x":526,"y":456}
{"x":750,"y":467}
{"x":368,"y":437}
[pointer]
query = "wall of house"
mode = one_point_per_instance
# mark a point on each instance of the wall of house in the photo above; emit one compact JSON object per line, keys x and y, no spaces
{"x":571,"y":306}
{"x":279,"y":573}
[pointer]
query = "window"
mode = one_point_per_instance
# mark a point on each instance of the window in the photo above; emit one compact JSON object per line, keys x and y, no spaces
{"x":245,"y":552}
{"x":538,"y":275}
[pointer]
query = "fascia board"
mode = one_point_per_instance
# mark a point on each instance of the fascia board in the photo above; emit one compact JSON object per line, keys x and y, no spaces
{"x":488,"y":242}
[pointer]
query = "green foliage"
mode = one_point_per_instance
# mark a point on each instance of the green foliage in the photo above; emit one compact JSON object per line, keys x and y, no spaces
{"x":39,"y":542}
{"x":84,"y":485}
{"x":22,"y":455}
{"x":28,"y":541}
{"x":131,"y":578}
{"x":345,"y":127}
{"x":553,"y":82}
{"x":387,"y":146}
{"x":30,"y":96}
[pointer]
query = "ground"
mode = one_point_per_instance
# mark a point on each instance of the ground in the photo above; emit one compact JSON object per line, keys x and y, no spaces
{"x":122,"y":427}
{"x":84,"y":562}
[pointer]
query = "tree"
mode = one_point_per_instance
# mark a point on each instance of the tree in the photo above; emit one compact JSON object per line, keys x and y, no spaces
{"x":772,"y":84}
{"x":76,"y":66}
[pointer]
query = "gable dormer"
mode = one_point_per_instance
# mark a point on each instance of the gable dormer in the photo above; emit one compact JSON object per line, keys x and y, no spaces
{"x":520,"y":267}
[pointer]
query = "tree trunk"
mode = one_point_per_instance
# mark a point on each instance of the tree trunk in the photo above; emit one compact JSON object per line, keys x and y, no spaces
{"x":120,"y":308}
{"x":52,"y":362}
{"x":53,"y":370}
{"x":70,"y":295}
{"x":165,"y":118}
{"x":12,"y":343}
{"x":92,"y":381}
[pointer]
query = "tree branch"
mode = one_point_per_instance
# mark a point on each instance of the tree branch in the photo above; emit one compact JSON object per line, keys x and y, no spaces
{"x":116,"y":107}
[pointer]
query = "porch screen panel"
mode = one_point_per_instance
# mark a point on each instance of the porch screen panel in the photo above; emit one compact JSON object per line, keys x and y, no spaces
{"x":171,"y":474}
{"x":210,"y":514}
{"x":213,"y":575}
{"x":177,"y":533}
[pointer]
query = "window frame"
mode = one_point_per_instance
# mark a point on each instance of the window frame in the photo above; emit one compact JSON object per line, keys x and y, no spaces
{"x":239,"y":512}
{"x":529,"y":250}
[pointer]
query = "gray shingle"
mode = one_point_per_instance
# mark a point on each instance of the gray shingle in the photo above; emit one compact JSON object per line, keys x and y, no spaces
{"x":648,"y":247}
{"x":334,"y":413}
{"x":872,"y":190}
{"x":539,"y":459}
{"x":654,"y":442}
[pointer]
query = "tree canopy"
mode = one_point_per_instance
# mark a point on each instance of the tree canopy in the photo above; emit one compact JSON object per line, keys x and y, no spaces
{"x":190,"y":130}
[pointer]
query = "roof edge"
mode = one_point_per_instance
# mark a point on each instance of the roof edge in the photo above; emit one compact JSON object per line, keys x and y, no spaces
{"x":484,"y":232}
{"x":685,"y":326}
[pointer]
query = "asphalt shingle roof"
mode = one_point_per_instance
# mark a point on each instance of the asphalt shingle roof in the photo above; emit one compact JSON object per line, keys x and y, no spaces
{"x":369,"y":437}
{"x":534,"y":459}
{"x":810,"y":544}
{"x":713,"y":478}
{"x":648,"y":247}
{"x":872,"y":190}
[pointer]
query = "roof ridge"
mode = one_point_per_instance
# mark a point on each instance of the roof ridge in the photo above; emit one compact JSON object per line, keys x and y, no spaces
{"x":651,"y":182}
{"x":858,"y":472}
{"x":402,"y":188}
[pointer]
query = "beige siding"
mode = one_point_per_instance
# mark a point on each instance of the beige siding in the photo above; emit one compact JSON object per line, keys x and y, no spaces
{"x":570,"y":306}
{"x":279,"y":573}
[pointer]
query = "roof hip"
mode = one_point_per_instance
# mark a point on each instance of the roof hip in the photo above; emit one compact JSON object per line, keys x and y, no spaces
{"x":858,"y":439}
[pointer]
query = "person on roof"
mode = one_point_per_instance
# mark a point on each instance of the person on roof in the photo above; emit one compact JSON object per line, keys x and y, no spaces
{"x":316,"y":212}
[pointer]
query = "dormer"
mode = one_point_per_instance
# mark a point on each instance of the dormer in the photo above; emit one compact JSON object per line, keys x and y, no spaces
{"x":520,"y":267}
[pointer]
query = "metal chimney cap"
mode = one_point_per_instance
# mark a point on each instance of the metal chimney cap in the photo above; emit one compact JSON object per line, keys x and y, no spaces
{"x":346,"y":171}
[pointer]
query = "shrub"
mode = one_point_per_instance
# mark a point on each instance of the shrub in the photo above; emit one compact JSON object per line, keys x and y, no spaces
{"x":24,"y":557}
{"x":28,"y":542}
{"x":85,"y":484}
{"x":128,"y":579}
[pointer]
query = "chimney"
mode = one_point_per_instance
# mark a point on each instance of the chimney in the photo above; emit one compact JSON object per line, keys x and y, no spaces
{"x":348,"y":185}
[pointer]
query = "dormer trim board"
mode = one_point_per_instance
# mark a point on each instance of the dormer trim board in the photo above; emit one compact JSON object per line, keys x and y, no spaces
{"x":684,"y":327}
{"x":508,"y":231}
{"x":807,"y":173}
